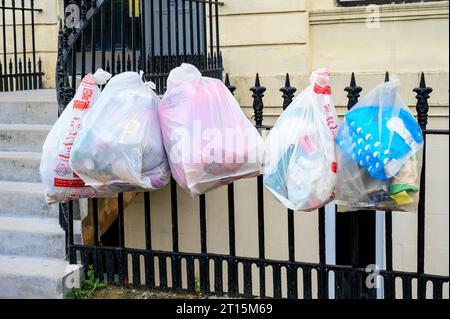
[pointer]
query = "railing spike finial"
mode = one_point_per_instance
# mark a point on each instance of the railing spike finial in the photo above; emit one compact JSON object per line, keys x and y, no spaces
{"x":288,"y":92}
{"x":228,"y":84}
{"x":422,"y":95}
{"x":353,"y":91}
{"x":258,"y":105}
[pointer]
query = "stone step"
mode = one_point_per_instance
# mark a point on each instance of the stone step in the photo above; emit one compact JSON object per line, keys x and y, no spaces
{"x":28,"y":107}
{"x":36,"y":278}
{"x":19,"y":199}
{"x":41,"y":237}
{"x":20,"y":167}
{"x":23,"y":137}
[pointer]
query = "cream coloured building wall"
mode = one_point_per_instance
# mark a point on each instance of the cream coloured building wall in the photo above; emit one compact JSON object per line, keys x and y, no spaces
{"x":46,"y":32}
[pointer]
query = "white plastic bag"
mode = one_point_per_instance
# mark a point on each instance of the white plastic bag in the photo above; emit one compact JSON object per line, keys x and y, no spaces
{"x":61,"y":183}
{"x":208,"y":139}
{"x":380,"y":153}
{"x":300,"y":164}
{"x":119,"y":148}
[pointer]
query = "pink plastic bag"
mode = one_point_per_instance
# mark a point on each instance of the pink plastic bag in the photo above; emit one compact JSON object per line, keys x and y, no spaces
{"x":208,"y":139}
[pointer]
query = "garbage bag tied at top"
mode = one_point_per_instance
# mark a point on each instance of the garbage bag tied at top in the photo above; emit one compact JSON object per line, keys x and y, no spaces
{"x":208,"y":139}
{"x":380,"y":147}
{"x":120,"y":147}
{"x":300,"y":162}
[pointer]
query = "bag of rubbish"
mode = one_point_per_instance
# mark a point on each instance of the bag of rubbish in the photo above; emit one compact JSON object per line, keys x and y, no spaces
{"x":120,"y":148}
{"x":300,"y":162}
{"x":380,"y":153}
{"x":61,"y":183}
{"x":208,"y":139}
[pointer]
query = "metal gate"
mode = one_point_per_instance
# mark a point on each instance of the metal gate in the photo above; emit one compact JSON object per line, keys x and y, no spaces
{"x":20,"y":68}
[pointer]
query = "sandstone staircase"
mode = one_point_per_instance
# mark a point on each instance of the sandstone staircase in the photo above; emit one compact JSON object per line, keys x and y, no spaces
{"x":32,"y":244}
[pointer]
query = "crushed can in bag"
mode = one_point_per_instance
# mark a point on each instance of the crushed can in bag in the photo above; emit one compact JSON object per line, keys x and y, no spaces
{"x":300,"y":161}
{"x":208,"y":139}
{"x":380,"y":153}
{"x":61,"y":183}
{"x":120,"y":147}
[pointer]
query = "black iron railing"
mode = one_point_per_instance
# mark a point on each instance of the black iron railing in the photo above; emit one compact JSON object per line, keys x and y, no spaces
{"x":163,"y":34}
{"x":132,"y":35}
{"x":20,"y":68}
{"x":347,"y":281}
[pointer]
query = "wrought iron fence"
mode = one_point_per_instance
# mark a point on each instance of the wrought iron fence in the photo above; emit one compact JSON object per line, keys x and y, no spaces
{"x":330,"y":280}
{"x":155,"y":36}
{"x":20,"y":68}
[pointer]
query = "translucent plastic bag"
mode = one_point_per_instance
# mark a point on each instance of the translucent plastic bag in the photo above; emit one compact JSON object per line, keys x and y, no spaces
{"x":120,"y":147}
{"x":61,"y":183}
{"x":208,"y":139}
{"x":300,"y":163}
{"x":380,"y":153}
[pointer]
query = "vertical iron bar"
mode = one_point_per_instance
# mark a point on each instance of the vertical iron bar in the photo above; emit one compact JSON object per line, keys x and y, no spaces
{"x":112,"y":34}
{"x":143,"y":52}
{"x":232,"y":265}
{"x":176,"y":267}
{"x":204,"y":266}
{"x":161,"y":47}
{"x":205,"y":37}
{"x":258,"y":106}
{"x":122,"y":262}
{"x":24,"y":48}
{"x":123,"y":35}
{"x":133,"y":32}
{"x":388,"y":239}
{"x":191,"y":28}
{"x":169,"y":37}
{"x":422,"y":95}
{"x":353,"y":95}
{"x":183,"y":2}
{"x":33,"y":43}
{"x":217,"y":29}
{"x":72,"y":257}
{"x":322,"y":275}
{"x":74,"y":65}
{"x":5,"y":53}
{"x":288,"y":94}
{"x":197,"y":18}
{"x":152,"y":36}
{"x":96,"y":235}
{"x":102,"y":36}
{"x":177,"y":32}
{"x":211,"y":32}
{"x":149,"y":263}
{"x":13,"y":5}
{"x":93,"y":44}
